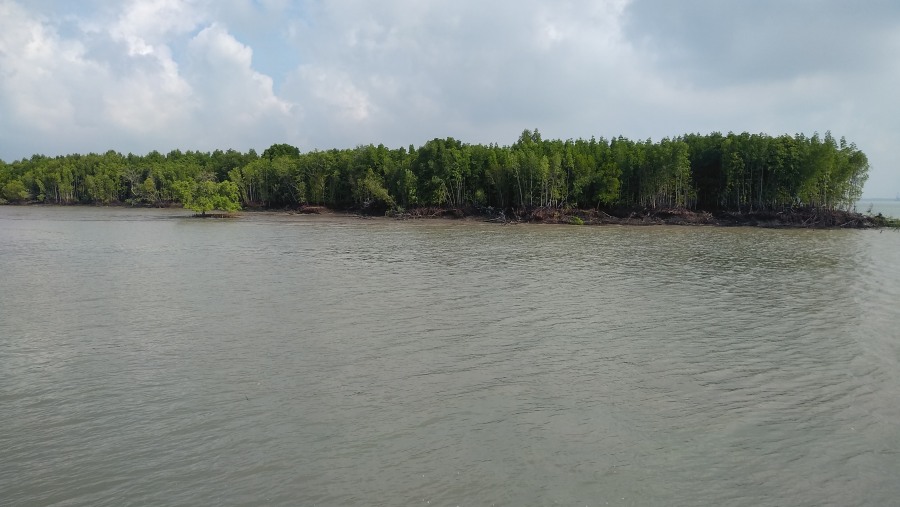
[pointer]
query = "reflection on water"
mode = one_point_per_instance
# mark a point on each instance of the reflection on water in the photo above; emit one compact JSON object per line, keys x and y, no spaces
{"x":148,"y":358}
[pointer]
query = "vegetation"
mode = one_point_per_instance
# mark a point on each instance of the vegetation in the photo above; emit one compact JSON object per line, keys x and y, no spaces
{"x":742,"y":173}
{"x":880,"y":220}
{"x":206,"y":195}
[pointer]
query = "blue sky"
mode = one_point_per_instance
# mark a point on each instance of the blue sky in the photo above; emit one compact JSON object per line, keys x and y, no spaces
{"x":136,"y":76}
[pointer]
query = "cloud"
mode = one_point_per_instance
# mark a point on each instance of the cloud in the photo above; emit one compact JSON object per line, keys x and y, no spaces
{"x":31,"y":57}
{"x":713,"y":43}
{"x":148,"y":76}
{"x":468,"y":69}
{"x":236,"y":100}
{"x":778,"y":67}
{"x":146,"y":26}
{"x":204,"y":74}
{"x":149,"y":95}
{"x":54,"y":85}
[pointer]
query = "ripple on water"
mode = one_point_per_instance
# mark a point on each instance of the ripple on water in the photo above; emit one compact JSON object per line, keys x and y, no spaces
{"x":288,"y":360}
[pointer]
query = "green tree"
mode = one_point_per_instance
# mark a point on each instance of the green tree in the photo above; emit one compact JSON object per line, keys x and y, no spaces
{"x":15,"y":191}
{"x":146,"y":191}
{"x":207,"y":195}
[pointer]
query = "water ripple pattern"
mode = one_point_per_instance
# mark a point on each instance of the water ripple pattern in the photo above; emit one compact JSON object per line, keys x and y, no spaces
{"x":147,"y":358}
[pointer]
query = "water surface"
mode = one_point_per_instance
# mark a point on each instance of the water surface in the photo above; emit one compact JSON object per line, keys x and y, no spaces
{"x":147,"y":358}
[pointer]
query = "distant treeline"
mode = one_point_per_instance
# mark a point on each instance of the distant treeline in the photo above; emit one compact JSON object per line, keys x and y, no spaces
{"x":738,"y":172}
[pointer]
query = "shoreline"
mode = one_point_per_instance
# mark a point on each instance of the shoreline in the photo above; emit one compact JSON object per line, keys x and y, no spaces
{"x":800,"y":218}
{"x":805,"y":218}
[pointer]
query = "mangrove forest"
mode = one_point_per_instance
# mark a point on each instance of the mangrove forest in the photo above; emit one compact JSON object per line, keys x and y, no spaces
{"x":741,"y":173}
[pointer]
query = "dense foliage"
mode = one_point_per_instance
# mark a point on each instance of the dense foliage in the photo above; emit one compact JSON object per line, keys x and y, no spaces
{"x":741,"y":172}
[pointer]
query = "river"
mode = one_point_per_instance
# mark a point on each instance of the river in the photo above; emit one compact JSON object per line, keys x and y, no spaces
{"x":148,"y":358}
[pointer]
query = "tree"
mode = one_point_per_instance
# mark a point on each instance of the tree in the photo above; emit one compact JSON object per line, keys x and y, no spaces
{"x":15,"y":191}
{"x":729,"y":172}
{"x":207,"y":195}
{"x":146,"y":191}
{"x":279,"y":150}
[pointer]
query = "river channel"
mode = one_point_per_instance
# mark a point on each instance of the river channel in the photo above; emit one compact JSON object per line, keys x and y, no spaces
{"x":149,"y":358}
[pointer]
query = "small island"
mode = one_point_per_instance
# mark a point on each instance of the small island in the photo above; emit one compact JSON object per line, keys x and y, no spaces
{"x":693,"y":179}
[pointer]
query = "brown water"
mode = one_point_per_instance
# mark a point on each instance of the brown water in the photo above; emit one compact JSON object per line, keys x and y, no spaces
{"x":147,"y":358}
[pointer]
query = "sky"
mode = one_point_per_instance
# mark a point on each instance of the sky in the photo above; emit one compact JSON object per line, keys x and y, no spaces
{"x":142,"y":75}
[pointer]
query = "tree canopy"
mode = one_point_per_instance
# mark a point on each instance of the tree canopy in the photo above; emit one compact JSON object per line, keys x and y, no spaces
{"x":206,"y":195}
{"x":741,"y":172}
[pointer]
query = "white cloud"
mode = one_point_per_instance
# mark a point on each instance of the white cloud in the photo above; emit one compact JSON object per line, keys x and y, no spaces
{"x":204,"y":74}
{"x":338,"y":94}
{"x":146,"y":24}
{"x":32,"y":57}
{"x":151,"y":98}
{"x":53,"y":86}
{"x":482,"y":72}
{"x":235,"y":98}
{"x":119,"y":85}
